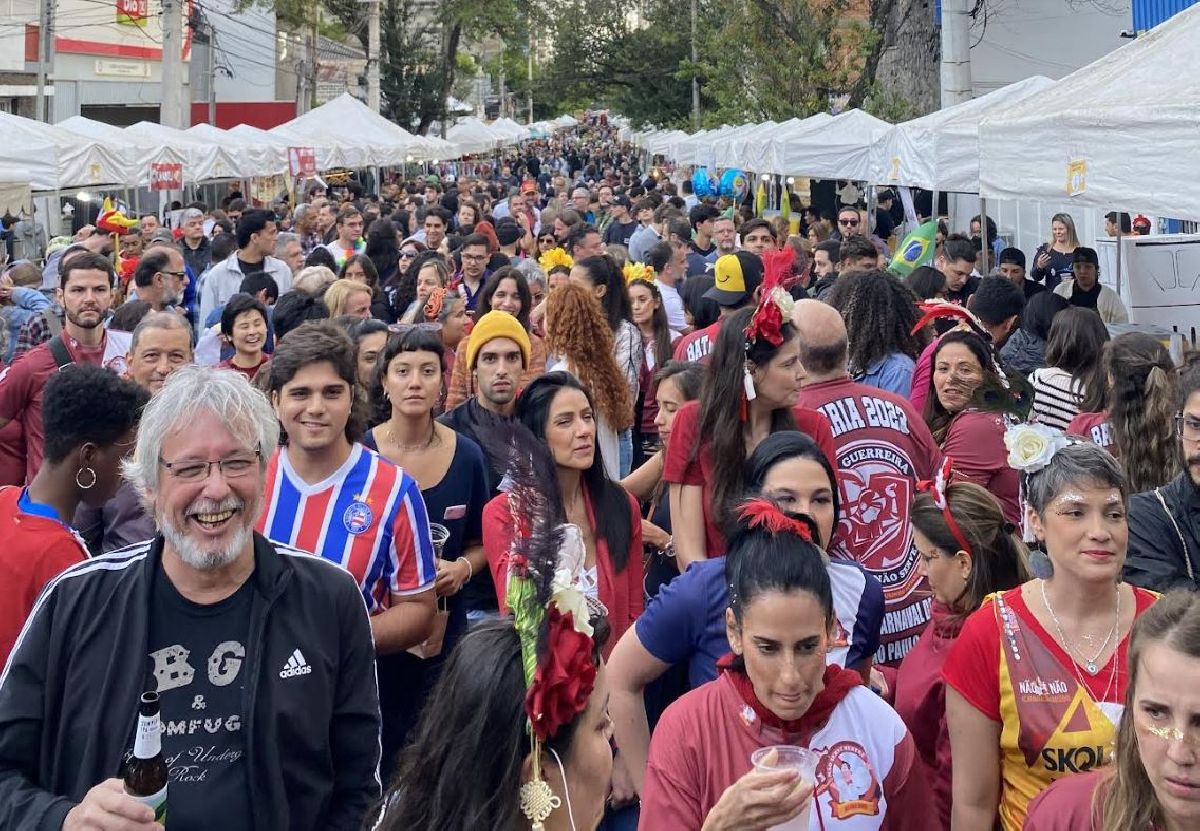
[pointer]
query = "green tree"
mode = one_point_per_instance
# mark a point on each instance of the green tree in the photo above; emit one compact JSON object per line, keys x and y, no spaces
{"x":779,"y":59}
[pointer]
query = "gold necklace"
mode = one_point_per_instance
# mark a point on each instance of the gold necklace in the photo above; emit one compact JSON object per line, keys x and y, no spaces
{"x":412,"y":448}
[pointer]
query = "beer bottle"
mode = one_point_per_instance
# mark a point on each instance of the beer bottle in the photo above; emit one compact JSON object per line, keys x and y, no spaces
{"x":146,"y":771}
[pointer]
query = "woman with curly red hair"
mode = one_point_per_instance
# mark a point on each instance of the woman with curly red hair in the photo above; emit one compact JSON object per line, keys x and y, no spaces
{"x":579,"y":341}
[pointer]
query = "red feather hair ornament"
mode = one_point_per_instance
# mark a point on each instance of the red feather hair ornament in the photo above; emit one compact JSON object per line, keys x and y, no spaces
{"x":765,"y":514}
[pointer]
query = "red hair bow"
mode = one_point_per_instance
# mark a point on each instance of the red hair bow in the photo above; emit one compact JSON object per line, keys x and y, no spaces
{"x":936,"y":488}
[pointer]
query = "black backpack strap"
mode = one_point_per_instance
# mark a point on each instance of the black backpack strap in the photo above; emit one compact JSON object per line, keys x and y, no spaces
{"x":62,"y":356}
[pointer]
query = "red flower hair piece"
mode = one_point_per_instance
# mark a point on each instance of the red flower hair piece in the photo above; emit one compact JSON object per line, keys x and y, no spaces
{"x":765,"y":514}
{"x":767,"y":322}
{"x":564,"y":679}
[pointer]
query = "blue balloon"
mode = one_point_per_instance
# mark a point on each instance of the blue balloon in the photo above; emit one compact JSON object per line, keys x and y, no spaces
{"x":702,"y":184}
{"x":734,"y":183}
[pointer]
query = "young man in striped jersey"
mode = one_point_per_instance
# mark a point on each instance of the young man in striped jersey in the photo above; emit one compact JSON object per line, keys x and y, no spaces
{"x":328,"y":494}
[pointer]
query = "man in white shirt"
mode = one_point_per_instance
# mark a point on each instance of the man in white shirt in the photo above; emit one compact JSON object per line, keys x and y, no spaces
{"x":669,"y":261}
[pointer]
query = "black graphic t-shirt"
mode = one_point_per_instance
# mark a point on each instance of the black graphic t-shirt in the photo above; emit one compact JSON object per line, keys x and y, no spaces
{"x":198,"y":660}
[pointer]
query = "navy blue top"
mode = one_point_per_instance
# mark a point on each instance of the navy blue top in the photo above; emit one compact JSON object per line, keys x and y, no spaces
{"x":686,"y":621}
{"x":456,"y":502}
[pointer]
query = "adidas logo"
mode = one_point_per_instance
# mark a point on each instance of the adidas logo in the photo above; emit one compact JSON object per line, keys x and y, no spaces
{"x":296,"y":665}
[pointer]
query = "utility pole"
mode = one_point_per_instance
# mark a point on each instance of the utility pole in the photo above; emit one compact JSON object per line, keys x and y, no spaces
{"x":171,"y":110}
{"x":45,"y":57}
{"x":373,"y":54}
{"x":212,"y":76}
{"x":500,"y":112}
{"x":313,"y":43}
{"x":695,"y":78}
{"x":956,"y":51}
{"x":530,"y":75}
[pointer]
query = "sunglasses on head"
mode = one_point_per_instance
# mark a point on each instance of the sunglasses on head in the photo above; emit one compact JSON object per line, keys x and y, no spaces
{"x":397,"y":328}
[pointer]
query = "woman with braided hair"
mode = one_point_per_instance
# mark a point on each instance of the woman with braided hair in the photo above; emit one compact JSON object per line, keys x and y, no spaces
{"x":880,"y":313}
{"x":1138,"y":426}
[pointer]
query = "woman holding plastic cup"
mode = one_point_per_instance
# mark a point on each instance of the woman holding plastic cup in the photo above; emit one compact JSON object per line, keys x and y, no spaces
{"x":450,"y":470}
{"x":776,"y":691}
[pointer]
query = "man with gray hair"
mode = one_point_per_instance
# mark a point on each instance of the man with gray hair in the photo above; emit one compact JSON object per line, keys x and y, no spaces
{"x":261,"y":655}
{"x":288,"y":249}
{"x":161,"y":344}
{"x":304,"y":224}
{"x":197,"y":248}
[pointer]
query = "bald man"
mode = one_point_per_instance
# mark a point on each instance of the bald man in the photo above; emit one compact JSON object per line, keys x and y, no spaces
{"x":882,"y":447}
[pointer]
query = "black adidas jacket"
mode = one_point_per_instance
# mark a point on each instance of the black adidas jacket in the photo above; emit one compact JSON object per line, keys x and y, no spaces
{"x":69,"y":695}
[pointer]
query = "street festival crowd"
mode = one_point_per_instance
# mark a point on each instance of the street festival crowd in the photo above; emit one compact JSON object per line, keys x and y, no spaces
{"x":550,"y":495}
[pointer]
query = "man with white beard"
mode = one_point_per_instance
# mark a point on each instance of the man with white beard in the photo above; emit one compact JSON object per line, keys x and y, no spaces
{"x":261,"y":655}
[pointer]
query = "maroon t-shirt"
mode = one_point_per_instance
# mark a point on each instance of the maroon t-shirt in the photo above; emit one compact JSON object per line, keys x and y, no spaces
{"x":682,"y":467}
{"x":1068,"y":804}
{"x":975,"y":441}
{"x":697,"y":346}
{"x":1095,"y":427}
{"x":881,"y":448}
{"x":21,"y":387}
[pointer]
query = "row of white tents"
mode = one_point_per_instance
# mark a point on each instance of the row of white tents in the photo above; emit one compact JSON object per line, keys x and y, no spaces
{"x":81,"y":152}
{"x":1122,"y":131}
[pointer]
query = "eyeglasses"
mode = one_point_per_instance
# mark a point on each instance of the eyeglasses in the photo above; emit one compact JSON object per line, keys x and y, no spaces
{"x":179,"y":274}
{"x":1190,"y":737}
{"x":850,"y":223}
{"x":196,"y":471}
{"x":407,"y":255}
{"x":1187,"y":427}
{"x":474,"y":258}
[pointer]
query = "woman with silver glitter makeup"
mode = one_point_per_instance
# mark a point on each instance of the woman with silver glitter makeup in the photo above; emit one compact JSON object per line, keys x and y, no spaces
{"x":1037,"y":678}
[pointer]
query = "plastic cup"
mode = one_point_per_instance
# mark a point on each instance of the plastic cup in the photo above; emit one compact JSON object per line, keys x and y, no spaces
{"x":440,"y":533}
{"x":789,"y":757}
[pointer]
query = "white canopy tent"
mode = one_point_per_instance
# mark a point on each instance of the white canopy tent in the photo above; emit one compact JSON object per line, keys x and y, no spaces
{"x":203,"y":159}
{"x":360,"y":136}
{"x":687,"y":151}
{"x":1123,"y":131}
{"x":511,"y":131}
{"x":755,"y":154}
{"x":322,"y":149}
{"x":255,"y":156}
{"x":940,"y":151}
{"x":564,"y":122}
{"x":138,"y":153}
{"x":839,"y":148}
{"x":49,"y":158}
{"x":473,"y":137}
{"x":730,"y":151}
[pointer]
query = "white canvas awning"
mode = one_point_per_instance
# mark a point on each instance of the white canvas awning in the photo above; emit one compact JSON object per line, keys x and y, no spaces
{"x":1121,"y":133}
{"x":138,"y":153}
{"x":204,"y":159}
{"x":839,"y":148}
{"x":940,"y":151}
{"x":51,"y":158}
{"x":473,"y":137}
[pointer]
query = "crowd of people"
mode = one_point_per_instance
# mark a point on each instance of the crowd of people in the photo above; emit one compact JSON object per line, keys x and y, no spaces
{"x":550,"y":495}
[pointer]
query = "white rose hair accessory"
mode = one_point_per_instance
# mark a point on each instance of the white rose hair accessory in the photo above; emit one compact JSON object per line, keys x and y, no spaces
{"x":1032,"y":446}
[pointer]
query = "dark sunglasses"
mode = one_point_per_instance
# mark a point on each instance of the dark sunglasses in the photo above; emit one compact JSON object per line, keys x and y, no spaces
{"x":850,"y":222}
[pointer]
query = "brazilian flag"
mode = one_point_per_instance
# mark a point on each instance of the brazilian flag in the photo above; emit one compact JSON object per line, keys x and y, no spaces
{"x":916,"y":250}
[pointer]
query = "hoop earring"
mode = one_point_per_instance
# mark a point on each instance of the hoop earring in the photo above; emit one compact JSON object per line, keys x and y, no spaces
{"x":566,"y":790}
{"x":80,"y":473}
